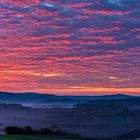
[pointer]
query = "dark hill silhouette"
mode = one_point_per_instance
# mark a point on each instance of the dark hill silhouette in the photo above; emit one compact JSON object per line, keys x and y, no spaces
{"x":42,"y":99}
{"x":130,"y":135}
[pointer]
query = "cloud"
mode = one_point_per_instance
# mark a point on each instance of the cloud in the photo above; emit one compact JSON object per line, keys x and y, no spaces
{"x":48,"y":45}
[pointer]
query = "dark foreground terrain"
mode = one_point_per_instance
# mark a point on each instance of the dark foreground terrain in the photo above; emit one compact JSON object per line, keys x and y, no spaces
{"x":94,"y":119}
{"x":33,"y":138}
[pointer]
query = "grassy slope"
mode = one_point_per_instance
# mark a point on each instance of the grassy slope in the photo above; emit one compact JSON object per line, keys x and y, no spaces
{"x":32,"y":138}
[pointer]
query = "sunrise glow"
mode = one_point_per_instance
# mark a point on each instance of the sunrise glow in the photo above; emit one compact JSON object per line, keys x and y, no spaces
{"x":70,"y":47}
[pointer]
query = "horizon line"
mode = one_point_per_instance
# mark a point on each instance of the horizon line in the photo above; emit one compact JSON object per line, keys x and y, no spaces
{"x":105,"y":94}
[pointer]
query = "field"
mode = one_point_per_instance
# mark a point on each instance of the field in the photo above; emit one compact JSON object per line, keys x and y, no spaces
{"x":94,"y":119}
{"x":32,"y":138}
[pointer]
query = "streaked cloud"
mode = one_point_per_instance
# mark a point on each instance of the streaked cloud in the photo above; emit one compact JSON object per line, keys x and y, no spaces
{"x":54,"y":46}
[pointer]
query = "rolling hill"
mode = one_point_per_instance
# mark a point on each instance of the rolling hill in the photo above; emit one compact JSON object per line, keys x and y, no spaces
{"x":35,"y":99}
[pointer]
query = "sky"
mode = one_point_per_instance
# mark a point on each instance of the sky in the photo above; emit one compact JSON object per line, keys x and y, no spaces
{"x":77,"y":47}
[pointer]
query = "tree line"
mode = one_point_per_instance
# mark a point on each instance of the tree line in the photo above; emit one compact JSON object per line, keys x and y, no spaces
{"x":10,"y":105}
{"x":13,"y":130}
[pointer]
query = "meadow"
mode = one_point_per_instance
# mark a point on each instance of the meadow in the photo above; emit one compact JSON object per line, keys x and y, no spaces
{"x":93,"y":119}
{"x":33,"y":138}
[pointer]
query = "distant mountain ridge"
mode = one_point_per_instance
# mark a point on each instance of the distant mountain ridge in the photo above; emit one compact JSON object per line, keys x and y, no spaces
{"x":40,"y":99}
